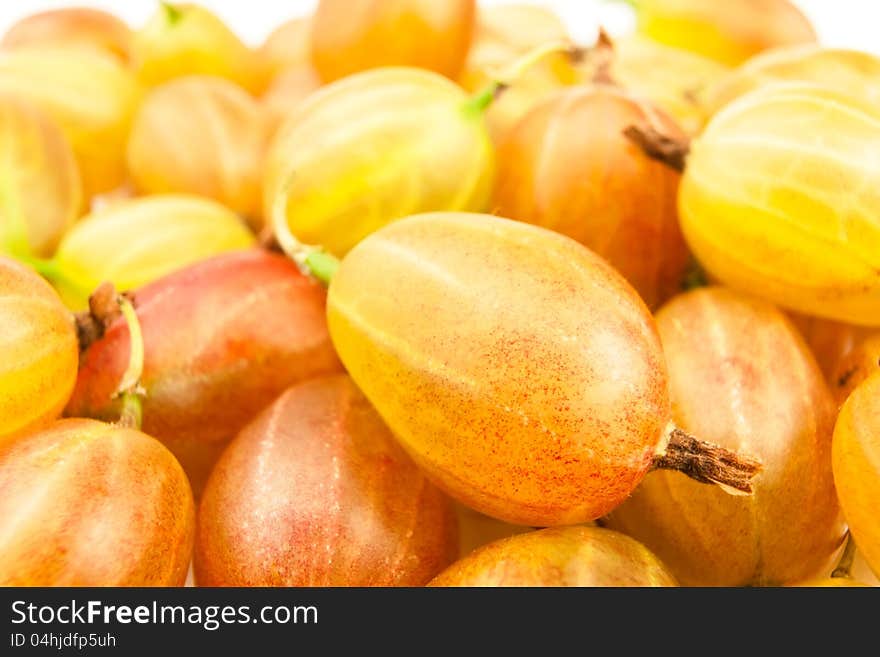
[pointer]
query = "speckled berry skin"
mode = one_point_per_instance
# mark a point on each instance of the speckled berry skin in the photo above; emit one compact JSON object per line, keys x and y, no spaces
{"x":559,"y":556}
{"x":520,"y":371}
{"x":222,"y":339}
{"x":38,"y":351}
{"x":316,"y":492}
{"x":87,"y":503}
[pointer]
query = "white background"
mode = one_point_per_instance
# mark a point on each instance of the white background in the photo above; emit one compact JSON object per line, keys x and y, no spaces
{"x":845,"y":23}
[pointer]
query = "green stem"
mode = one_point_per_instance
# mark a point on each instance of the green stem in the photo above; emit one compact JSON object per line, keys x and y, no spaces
{"x":130,"y":391}
{"x":322,"y":265}
{"x":844,"y":566}
{"x":312,"y":260}
{"x":479,"y":102}
{"x":173,"y":14}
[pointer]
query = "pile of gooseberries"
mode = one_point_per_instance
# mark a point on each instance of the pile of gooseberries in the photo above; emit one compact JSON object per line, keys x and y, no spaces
{"x":427,"y":293}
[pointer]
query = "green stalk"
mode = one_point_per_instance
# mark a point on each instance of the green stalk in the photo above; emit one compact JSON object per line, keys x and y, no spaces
{"x":173,"y":14}
{"x":478,"y":103}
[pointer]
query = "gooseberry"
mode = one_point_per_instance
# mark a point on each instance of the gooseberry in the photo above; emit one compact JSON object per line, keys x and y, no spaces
{"x":134,"y":242}
{"x":38,"y":351}
{"x":349,"y":36}
{"x":729,"y":32}
{"x":411,"y":142}
{"x":567,"y":166}
{"x":559,"y":556}
{"x":222,"y":339}
{"x":187,"y":39}
{"x":92,"y":504}
{"x":518,"y":368}
{"x":741,"y":376}
{"x":41,"y":190}
{"x":72,"y":27}
{"x":848,"y":71}
{"x":316,"y":492}
{"x":201,"y":135}
{"x":779,"y":197}
{"x":90,"y":95}
{"x":856,"y":462}
{"x":287,"y":46}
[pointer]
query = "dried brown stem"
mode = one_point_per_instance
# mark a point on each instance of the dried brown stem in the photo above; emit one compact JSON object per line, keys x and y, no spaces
{"x":603,"y":52}
{"x":267,"y":240}
{"x":671,"y":151}
{"x":103,"y":311}
{"x":844,"y":566}
{"x":707,"y":463}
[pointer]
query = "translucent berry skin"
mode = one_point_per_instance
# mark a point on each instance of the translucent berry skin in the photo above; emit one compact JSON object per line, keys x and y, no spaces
{"x":834,"y":344}
{"x":848,"y":71}
{"x":856,"y":461}
{"x":201,"y":135}
{"x":190,"y":40}
{"x":567,"y":166}
{"x":779,"y":198}
{"x":92,"y":504}
{"x":409,"y":145}
{"x":741,"y":377}
{"x":520,"y":371}
{"x":133,"y":242}
{"x":559,"y":556}
{"x":504,"y":34}
{"x":39,"y":178}
{"x":38,"y":351}
{"x":222,"y":339}
{"x":288,"y":90}
{"x":287,"y":46}
{"x":672,"y":79}
{"x":78,"y":27}
{"x":856,"y":366}
{"x":89,"y":94}
{"x":729,"y":32}
{"x":349,"y":36}
{"x":316,"y":492}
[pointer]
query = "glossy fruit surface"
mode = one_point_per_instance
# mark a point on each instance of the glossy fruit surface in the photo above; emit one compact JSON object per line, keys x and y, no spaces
{"x":38,"y":351}
{"x":674,"y":80}
{"x":741,"y":377}
{"x":92,"y":504}
{"x":41,"y":191}
{"x":316,"y":492}
{"x":518,"y":26}
{"x":287,"y":46}
{"x":287,"y":92}
{"x":856,"y":366}
{"x":90,"y":95}
{"x":187,"y":39}
{"x":408,"y":146}
{"x":567,"y":166}
{"x":517,"y":368}
{"x":134,"y":242}
{"x":506,"y":33}
{"x":729,"y":32}
{"x":222,"y":339}
{"x":78,"y":27}
{"x":833,"y":344}
{"x":856,"y":458}
{"x":848,"y":71}
{"x":201,"y":135}
{"x":349,"y":36}
{"x":561,"y":556}
{"x":779,"y":199}
{"x":476,"y":530}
